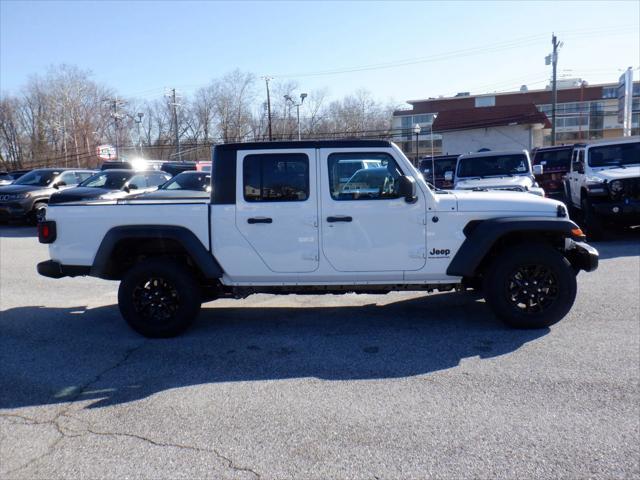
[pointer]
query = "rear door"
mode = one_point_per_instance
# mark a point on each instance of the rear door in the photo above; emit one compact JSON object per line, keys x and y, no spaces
{"x":370,"y":228}
{"x":277,"y":207}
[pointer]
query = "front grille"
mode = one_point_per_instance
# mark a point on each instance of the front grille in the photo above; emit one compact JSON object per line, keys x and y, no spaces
{"x":631,"y":188}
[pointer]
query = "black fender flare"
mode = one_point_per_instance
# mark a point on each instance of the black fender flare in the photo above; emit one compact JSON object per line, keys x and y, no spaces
{"x":481,"y":236}
{"x":203,"y":259}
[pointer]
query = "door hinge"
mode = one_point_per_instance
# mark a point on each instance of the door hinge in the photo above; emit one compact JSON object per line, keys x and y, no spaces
{"x":422,"y":219}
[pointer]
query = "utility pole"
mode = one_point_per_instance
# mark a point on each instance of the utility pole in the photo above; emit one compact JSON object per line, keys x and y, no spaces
{"x":266,"y":81}
{"x":175,"y":123}
{"x":115,"y":103}
{"x":554,"y":86}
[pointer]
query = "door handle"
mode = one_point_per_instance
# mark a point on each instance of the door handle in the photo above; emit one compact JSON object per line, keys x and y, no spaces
{"x":259,"y":220}
{"x":339,"y":218}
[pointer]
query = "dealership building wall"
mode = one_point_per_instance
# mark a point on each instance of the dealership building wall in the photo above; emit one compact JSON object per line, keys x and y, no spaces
{"x":506,"y":137}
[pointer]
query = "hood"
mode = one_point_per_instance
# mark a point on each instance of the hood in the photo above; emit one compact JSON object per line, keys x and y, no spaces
{"x":617,"y":173}
{"x":512,"y":203}
{"x":521,"y":181}
{"x":78,"y":194}
{"x":23,"y":189}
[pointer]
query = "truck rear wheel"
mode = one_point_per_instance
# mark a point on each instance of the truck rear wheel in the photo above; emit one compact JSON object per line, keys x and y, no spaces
{"x":530,"y":286}
{"x":159,"y":298}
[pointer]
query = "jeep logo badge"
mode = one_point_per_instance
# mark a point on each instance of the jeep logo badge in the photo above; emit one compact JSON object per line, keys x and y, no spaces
{"x":439,"y":252}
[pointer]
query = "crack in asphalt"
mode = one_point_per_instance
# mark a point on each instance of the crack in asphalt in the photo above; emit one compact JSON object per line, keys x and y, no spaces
{"x":66,"y":432}
{"x":63,"y":411}
{"x":156,"y":443}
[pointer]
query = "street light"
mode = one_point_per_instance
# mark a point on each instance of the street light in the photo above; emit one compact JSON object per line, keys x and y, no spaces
{"x":416,"y":130}
{"x":297,"y":105}
{"x":138,"y":122}
{"x":433,"y":161}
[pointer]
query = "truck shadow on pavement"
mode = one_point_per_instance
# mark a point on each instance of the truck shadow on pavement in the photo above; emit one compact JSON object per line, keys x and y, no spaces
{"x":54,"y":355}
{"x":17,"y":231}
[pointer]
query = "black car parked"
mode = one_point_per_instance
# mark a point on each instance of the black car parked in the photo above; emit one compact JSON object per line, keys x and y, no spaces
{"x":28,"y":196}
{"x":184,"y":185}
{"x":112,"y":184}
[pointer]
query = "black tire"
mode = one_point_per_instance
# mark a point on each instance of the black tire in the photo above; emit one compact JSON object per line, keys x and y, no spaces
{"x":592,"y":223}
{"x":159,"y":298}
{"x":510,"y":276}
{"x":38,"y":213}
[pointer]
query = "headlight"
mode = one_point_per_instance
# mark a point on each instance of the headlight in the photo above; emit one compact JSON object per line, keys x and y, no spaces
{"x":594,"y":180}
{"x":18,"y":196}
{"x":616,"y":186}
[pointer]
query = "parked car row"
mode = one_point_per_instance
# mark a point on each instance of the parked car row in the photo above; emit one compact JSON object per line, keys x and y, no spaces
{"x":599,"y":181}
{"x":26,"y":197}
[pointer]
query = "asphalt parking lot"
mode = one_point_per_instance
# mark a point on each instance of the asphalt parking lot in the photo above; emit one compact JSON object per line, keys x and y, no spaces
{"x":393,"y":386}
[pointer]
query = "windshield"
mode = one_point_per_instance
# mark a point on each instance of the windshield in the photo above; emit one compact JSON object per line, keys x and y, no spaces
{"x":109,"y":179}
{"x":188,"y":181}
{"x":442,"y":166}
{"x":489,"y":166}
{"x":614,"y":155}
{"x":40,"y":178}
{"x":554,"y":159}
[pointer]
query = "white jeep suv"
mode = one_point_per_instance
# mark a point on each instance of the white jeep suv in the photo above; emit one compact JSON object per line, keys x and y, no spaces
{"x":508,"y":170}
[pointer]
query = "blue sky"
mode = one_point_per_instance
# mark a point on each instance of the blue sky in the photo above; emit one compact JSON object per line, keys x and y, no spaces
{"x":138,"y":48}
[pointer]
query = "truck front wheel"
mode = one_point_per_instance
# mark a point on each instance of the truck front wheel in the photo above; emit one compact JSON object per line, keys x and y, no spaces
{"x":530,"y":286}
{"x":159,"y":298}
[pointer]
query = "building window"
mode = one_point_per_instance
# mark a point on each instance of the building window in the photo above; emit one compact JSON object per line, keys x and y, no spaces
{"x":276,"y":177}
{"x":424,"y":118}
{"x":485,"y":101}
{"x":609,"y":92}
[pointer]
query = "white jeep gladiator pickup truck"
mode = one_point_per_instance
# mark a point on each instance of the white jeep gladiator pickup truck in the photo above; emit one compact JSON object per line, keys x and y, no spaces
{"x":280,"y":221}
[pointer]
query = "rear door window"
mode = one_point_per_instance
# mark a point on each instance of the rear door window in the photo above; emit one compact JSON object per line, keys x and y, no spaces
{"x":278,"y":177}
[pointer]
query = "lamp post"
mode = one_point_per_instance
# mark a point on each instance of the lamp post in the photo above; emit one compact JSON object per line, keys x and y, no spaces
{"x":297,"y":105}
{"x":433,"y":161}
{"x":416,"y":130}
{"x":138,"y":122}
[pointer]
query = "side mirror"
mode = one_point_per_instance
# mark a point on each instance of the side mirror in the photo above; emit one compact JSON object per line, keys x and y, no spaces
{"x":579,"y":167}
{"x":448,"y":176}
{"x":59,"y":184}
{"x":407,"y":188}
{"x":132,"y":186}
{"x":538,"y":169}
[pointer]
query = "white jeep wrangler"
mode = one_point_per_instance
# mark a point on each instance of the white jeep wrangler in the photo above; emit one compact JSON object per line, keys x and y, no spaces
{"x":279,"y":220}
{"x":508,"y":170}
{"x":603,"y":184}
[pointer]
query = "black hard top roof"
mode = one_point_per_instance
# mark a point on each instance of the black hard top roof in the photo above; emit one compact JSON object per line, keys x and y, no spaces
{"x":346,"y":143}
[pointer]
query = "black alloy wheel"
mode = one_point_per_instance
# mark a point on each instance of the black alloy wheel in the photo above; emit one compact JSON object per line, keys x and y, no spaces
{"x":530,"y":285}
{"x":159,"y":297}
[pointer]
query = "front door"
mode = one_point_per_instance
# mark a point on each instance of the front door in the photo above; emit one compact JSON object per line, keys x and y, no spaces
{"x":277,"y":207}
{"x":366,"y":225}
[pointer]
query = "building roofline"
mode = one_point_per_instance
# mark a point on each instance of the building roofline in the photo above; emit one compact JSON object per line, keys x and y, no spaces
{"x":513,"y":92}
